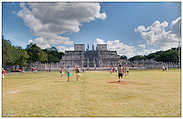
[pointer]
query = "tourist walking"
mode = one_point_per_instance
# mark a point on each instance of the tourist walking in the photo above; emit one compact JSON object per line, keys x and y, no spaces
{"x":127,"y":70}
{"x":68,"y":74}
{"x":111,"y":70}
{"x":77,"y":71}
{"x":120,"y":73}
{"x":116,"y":70}
{"x":62,"y":72}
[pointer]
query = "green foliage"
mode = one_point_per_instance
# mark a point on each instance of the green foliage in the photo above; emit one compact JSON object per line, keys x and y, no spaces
{"x":17,"y":56}
{"x":13,"y":55}
{"x":53,"y":54}
{"x":138,"y":57}
{"x":171,"y":55}
{"x":21,"y":56}
{"x":123,"y":57}
{"x":8,"y":55}
{"x":36,"y":54}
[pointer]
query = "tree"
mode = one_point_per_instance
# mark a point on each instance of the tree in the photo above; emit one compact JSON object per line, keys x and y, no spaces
{"x":8,"y":55}
{"x":171,"y":55}
{"x":137,"y":58}
{"x":53,"y":55}
{"x":21,"y":56}
{"x":123,"y":57}
{"x":36,"y":54}
{"x":13,"y":55}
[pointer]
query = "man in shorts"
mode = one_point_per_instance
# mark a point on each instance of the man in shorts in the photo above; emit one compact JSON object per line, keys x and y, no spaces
{"x":77,"y":71}
{"x":62,"y":72}
{"x":120,"y":73}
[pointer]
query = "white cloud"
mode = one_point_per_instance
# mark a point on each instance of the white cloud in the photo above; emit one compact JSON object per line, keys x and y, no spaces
{"x":142,"y":46}
{"x":146,"y":51}
{"x":63,"y":48}
{"x":176,"y":26}
{"x":100,"y":41}
{"x":156,"y":34}
{"x":120,"y":47}
{"x":48,"y":21}
{"x":30,"y":41}
{"x":140,"y":29}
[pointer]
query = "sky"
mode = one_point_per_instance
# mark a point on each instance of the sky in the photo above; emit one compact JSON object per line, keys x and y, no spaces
{"x":134,"y":28}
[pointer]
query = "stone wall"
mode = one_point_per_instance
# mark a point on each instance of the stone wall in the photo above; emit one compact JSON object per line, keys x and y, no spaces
{"x":131,"y":65}
{"x":101,"y":47}
{"x":79,"y":47}
{"x":92,"y":58}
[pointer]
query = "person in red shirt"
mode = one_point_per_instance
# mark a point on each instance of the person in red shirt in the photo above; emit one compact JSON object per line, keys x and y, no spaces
{"x":32,"y":69}
{"x":112,"y":69}
{"x":3,"y":73}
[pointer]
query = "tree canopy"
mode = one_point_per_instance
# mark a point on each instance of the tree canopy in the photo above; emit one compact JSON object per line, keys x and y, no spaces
{"x":53,"y":54}
{"x":14,"y":55}
{"x":171,"y":55}
{"x":36,"y":54}
{"x":123,"y":57}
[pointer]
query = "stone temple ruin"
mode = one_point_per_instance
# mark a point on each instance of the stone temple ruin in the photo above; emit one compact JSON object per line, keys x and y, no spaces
{"x":99,"y":57}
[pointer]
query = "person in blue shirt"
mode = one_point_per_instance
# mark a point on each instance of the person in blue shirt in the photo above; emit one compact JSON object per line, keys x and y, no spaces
{"x":69,"y":74}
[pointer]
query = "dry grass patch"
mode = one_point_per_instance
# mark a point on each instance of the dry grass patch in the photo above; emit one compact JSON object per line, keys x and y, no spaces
{"x":146,"y":93}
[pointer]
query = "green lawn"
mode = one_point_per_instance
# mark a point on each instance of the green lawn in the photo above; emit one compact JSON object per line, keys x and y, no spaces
{"x":148,"y":93}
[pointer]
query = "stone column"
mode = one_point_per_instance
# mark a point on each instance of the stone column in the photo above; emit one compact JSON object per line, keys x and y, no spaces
{"x":88,"y":62}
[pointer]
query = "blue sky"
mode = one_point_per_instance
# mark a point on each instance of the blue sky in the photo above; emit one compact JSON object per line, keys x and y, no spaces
{"x":129,"y":28}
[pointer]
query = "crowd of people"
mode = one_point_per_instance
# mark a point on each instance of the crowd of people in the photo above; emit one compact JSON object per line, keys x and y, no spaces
{"x":68,"y":70}
{"x":121,"y":71}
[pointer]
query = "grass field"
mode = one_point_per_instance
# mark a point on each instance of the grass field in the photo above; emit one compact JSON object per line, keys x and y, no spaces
{"x":146,"y":93}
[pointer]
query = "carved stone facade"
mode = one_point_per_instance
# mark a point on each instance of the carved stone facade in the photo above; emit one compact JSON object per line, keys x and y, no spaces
{"x":100,"y":57}
{"x":79,"y":47}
